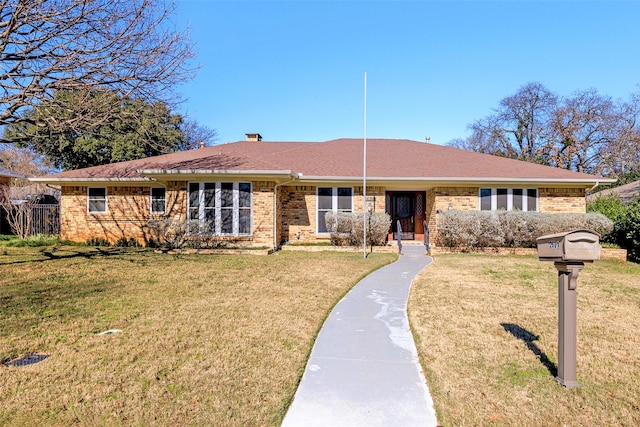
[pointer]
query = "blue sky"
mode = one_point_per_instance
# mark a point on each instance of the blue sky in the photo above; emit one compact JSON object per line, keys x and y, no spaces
{"x":294,"y":70}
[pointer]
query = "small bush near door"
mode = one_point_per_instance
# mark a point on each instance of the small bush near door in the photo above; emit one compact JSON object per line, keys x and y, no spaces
{"x":347,"y":228}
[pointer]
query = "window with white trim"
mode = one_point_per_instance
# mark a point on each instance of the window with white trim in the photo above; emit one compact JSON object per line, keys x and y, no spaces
{"x":97,"y":200}
{"x":332,"y":199}
{"x":493,"y":199}
{"x":158,"y":200}
{"x":220,"y":208}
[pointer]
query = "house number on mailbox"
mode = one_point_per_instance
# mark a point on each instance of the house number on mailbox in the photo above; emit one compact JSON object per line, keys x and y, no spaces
{"x":554,"y":245}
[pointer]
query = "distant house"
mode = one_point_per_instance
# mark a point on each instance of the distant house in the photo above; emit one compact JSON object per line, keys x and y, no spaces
{"x":626,"y":192}
{"x":5,"y":177}
{"x":268,"y":193}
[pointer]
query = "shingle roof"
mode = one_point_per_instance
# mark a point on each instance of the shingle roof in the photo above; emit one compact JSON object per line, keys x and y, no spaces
{"x":340,"y":158}
{"x":626,"y":192}
{"x":10,"y":174}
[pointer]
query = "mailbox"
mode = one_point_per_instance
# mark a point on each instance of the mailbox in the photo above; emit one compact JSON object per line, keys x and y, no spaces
{"x":569,"y":251}
{"x":577,"y":245}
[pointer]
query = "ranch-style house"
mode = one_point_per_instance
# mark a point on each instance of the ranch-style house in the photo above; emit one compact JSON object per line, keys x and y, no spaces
{"x":259,"y":193}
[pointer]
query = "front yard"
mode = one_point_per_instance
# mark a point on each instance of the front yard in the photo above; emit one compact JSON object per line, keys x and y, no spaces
{"x":209,"y":340}
{"x":486,"y":328}
{"x":223,"y":340}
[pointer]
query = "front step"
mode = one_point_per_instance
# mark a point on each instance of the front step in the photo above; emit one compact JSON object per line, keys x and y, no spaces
{"x":406,"y":243}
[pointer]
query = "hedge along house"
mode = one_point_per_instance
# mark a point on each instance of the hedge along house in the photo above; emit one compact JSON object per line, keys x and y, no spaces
{"x":259,"y":193}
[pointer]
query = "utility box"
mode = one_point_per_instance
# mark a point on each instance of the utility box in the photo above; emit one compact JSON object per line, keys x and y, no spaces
{"x":577,"y":245}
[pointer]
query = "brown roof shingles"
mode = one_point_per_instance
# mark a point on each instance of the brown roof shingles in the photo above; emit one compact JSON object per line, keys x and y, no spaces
{"x":386,"y":158}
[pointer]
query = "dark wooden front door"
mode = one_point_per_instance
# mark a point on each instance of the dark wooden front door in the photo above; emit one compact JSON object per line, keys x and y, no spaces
{"x":403,"y":212}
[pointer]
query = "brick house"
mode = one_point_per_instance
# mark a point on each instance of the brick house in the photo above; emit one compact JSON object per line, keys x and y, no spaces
{"x":260,"y":193}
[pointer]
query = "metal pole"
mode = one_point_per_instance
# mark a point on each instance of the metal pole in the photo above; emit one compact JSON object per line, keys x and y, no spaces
{"x":364,"y":173}
{"x":567,"y":328}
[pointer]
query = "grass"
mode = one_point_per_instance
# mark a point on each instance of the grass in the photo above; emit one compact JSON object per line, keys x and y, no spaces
{"x":486,"y":329}
{"x":211,"y":340}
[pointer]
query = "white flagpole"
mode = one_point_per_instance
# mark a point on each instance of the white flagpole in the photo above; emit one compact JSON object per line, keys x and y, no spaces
{"x":364,"y":172}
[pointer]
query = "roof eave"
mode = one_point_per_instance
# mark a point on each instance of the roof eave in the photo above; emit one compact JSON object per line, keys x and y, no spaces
{"x":190,"y":174}
{"x":79,"y":180}
{"x":587,"y":182}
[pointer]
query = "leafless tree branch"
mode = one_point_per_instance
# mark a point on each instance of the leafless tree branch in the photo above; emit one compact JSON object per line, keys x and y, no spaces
{"x":128,"y":46}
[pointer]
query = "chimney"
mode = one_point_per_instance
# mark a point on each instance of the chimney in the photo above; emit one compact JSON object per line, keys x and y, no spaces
{"x":253,"y":137}
{"x":201,"y":144}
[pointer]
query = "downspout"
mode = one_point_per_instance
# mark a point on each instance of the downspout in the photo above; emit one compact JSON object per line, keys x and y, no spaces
{"x":592,"y":188}
{"x":275,"y":208}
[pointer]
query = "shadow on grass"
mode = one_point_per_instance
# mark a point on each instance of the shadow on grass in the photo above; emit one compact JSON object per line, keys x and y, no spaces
{"x":528,"y":338}
{"x":49,"y":253}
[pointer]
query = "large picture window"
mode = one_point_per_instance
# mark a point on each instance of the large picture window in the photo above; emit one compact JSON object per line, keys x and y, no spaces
{"x":332,"y":199}
{"x":97,"y":200}
{"x":523,"y":199}
{"x":220,"y":208}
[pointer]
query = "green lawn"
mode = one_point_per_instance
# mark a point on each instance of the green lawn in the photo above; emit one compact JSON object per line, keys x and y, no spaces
{"x":208,"y":340}
{"x":486,"y":328}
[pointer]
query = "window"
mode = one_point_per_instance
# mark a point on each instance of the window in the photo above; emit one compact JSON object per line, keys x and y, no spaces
{"x":485,"y":199}
{"x":332,"y":199}
{"x":523,"y":199}
{"x":97,"y":200}
{"x":221,"y":208}
{"x":158,"y":200}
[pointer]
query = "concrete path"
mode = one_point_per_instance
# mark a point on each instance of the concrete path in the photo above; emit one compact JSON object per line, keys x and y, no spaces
{"x":364,"y":369}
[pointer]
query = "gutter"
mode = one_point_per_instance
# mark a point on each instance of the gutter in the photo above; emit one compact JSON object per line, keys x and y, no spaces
{"x":294,"y":177}
{"x":456,"y":179}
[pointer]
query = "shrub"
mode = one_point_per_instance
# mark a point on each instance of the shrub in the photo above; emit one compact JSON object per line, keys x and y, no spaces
{"x":468,"y":230}
{"x":348,"y":228}
{"x":123,"y":242}
{"x":172,"y":234}
{"x":97,"y":241}
{"x":627,"y":230}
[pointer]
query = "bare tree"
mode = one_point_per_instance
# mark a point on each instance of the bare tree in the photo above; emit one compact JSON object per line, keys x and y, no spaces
{"x":196,"y":133}
{"x":517,"y":129}
{"x":19,"y":215}
{"x":622,"y":154}
{"x":128,"y":46}
{"x":583,"y":128}
{"x":24,"y":161}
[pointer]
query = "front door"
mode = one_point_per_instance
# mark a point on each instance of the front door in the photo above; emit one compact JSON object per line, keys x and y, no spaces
{"x":403,"y":214}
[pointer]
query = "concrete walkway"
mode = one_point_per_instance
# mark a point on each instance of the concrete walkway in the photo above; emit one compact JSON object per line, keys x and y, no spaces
{"x":364,"y":369}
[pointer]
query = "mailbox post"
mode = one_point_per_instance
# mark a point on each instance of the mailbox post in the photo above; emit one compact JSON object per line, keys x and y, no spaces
{"x":568,"y":251}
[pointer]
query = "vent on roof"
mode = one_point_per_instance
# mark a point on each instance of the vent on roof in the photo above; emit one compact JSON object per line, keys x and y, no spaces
{"x":253,"y":137}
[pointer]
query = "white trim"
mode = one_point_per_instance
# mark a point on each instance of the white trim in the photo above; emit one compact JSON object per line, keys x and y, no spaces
{"x":452,"y":180}
{"x":151,"y":211}
{"x":106,"y":202}
{"x":494,"y":198}
{"x":334,"y":205}
{"x":235,"y":206}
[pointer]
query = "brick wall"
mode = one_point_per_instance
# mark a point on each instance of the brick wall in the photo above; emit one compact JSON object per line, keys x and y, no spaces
{"x":297,"y":210}
{"x":550,"y":200}
{"x":562,"y":200}
{"x":128,"y":211}
{"x":263,"y":213}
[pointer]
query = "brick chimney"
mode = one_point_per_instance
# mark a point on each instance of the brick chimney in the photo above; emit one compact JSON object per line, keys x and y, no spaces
{"x":253,"y":137}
